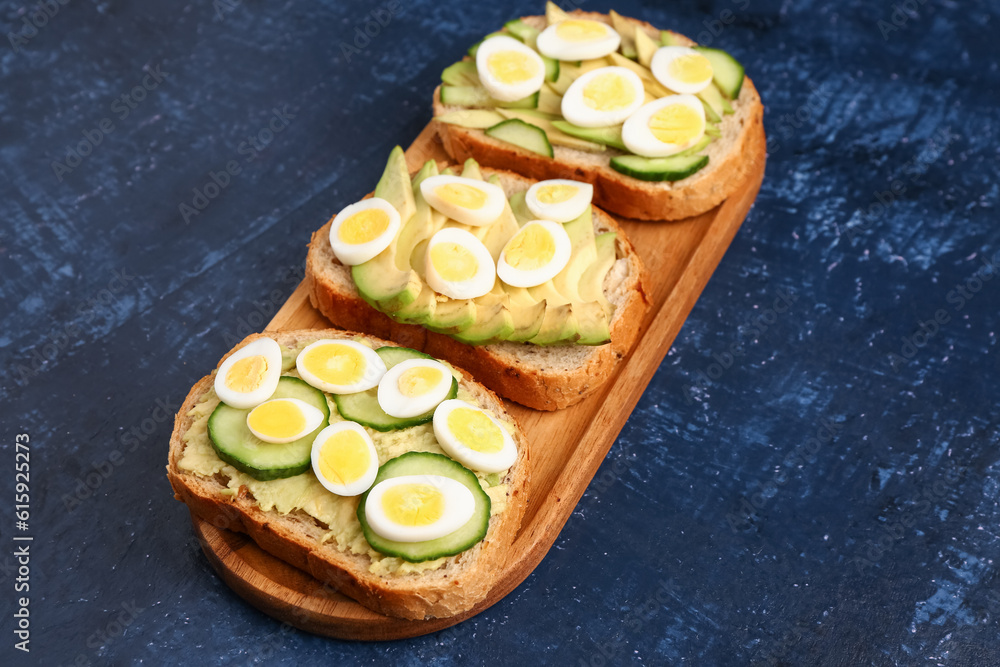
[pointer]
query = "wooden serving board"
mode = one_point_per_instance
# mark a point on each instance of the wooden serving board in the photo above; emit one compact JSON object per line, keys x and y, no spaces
{"x":680,"y":257}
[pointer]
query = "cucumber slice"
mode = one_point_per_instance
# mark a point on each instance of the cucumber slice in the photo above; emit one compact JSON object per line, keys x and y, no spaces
{"x":529,"y":36}
{"x":551,"y":68}
{"x":672,"y":168}
{"x":727,"y":71}
{"x":520,"y":133}
{"x":462,"y":73}
{"x":608,"y":136}
{"x":424,"y":463}
{"x":237,"y":446}
{"x":363,"y":406}
{"x":476,"y":96}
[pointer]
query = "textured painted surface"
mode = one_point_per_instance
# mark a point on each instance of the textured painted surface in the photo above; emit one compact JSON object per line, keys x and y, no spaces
{"x":811,"y":499}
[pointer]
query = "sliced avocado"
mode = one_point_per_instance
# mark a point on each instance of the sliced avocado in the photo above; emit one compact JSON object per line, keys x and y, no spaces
{"x":451,"y":315}
{"x":494,"y":321}
{"x":527,"y":313}
{"x":649,"y":82}
{"x":519,"y":208}
{"x":645,"y":46}
{"x":476,"y":119}
{"x":593,"y":323}
{"x":471,"y":170}
{"x":592,"y":280}
{"x":608,"y":136}
{"x":668,"y":38}
{"x":712,"y":96}
{"x":476,"y":96}
{"x":418,"y":311}
{"x":581,"y":234}
{"x":553,"y":14}
{"x":379,"y":280}
{"x":558,"y":327}
{"x":547,"y":101}
{"x":462,"y":73}
{"x":624,"y":28}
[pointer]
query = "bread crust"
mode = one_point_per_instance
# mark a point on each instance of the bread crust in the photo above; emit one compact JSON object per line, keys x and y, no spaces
{"x":450,"y":590}
{"x":504,"y":367}
{"x":624,"y":195}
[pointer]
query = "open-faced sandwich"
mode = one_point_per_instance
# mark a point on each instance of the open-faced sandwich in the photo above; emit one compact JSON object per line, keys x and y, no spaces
{"x":385,"y":473}
{"x":659,"y":125}
{"x":524,"y":284}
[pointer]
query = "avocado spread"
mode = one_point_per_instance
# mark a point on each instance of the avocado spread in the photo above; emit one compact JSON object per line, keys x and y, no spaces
{"x":304,"y":492}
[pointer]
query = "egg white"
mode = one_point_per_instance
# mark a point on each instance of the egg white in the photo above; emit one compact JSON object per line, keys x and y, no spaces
{"x":660,"y":67}
{"x":396,"y":404}
{"x":479,"y":284}
{"x":516,"y":277}
{"x":578,"y":112}
{"x":271,"y":351}
{"x":358,"y":486}
{"x":471,"y":458}
{"x":640,"y":139}
{"x":563,"y":211}
{"x":459,"y":504}
{"x":476,"y":217}
{"x":358,"y":253}
{"x":499,"y":90}
{"x":313,"y":418}
{"x":373,"y":371}
{"x":551,"y":44}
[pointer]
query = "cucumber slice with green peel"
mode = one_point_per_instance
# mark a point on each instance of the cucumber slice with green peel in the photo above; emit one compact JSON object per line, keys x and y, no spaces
{"x":236,"y":445}
{"x":673,"y":168}
{"x":727,"y":72}
{"x":363,"y":406}
{"x":520,"y":133}
{"x":697,"y":148}
{"x":424,"y":463}
{"x":608,"y":136}
{"x":529,"y":35}
{"x":462,"y":73}
{"x":551,"y":68}
{"x":476,"y":96}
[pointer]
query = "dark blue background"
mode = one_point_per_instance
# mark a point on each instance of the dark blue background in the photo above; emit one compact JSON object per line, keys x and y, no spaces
{"x":726,"y":525}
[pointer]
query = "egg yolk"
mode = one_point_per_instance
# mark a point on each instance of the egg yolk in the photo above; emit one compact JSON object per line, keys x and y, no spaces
{"x":531,"y":248}
{"x":277,"y":419}
{"x":675,"y":124}
{"x":690,"y":68}
{"x":247,"y":374}
{"x":364,"y":226}
{"x":418,"y":380}
{"x":608,"y":92}
{"x":475,"y":430}
{"x":344,"y":457}
{"x":336,"y":364}
{"x":461,"y":195}
{"x":413,"y":504}
{"x":453,"y":262}
{"x":511,"y":66}
{"x":556,"y":194}
{"x":581,"y":30}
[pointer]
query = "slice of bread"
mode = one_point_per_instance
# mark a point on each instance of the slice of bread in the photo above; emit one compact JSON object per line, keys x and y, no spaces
{"x":729,"y":156}
{"x":298,"y":538}
{"x":544,"y":378}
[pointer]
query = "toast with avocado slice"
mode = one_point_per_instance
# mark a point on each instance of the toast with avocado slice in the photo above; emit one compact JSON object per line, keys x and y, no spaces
{"x":546,"y":145}
{"x":233,"y":480}
{"x":546,"y":346}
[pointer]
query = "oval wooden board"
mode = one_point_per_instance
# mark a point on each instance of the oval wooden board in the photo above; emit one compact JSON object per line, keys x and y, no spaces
{"x":681,"y":257}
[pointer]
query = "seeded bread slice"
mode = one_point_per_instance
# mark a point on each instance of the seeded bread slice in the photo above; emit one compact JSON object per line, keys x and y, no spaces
{"x":729,"y":157}
{"x":296,"y":537}
{"x":544,"y":378}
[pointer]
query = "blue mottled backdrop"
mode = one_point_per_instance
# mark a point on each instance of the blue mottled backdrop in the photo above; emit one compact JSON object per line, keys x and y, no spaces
{"x":811,"y":477}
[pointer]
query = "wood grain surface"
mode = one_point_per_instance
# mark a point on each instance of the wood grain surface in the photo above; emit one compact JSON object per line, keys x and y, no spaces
{"x":567,"y":446}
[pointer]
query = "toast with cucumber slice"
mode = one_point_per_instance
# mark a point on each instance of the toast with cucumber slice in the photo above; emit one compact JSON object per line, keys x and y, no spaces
{"x":289,"y":494}
{"x":533,"y":136}
{"x":547,"y":346}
